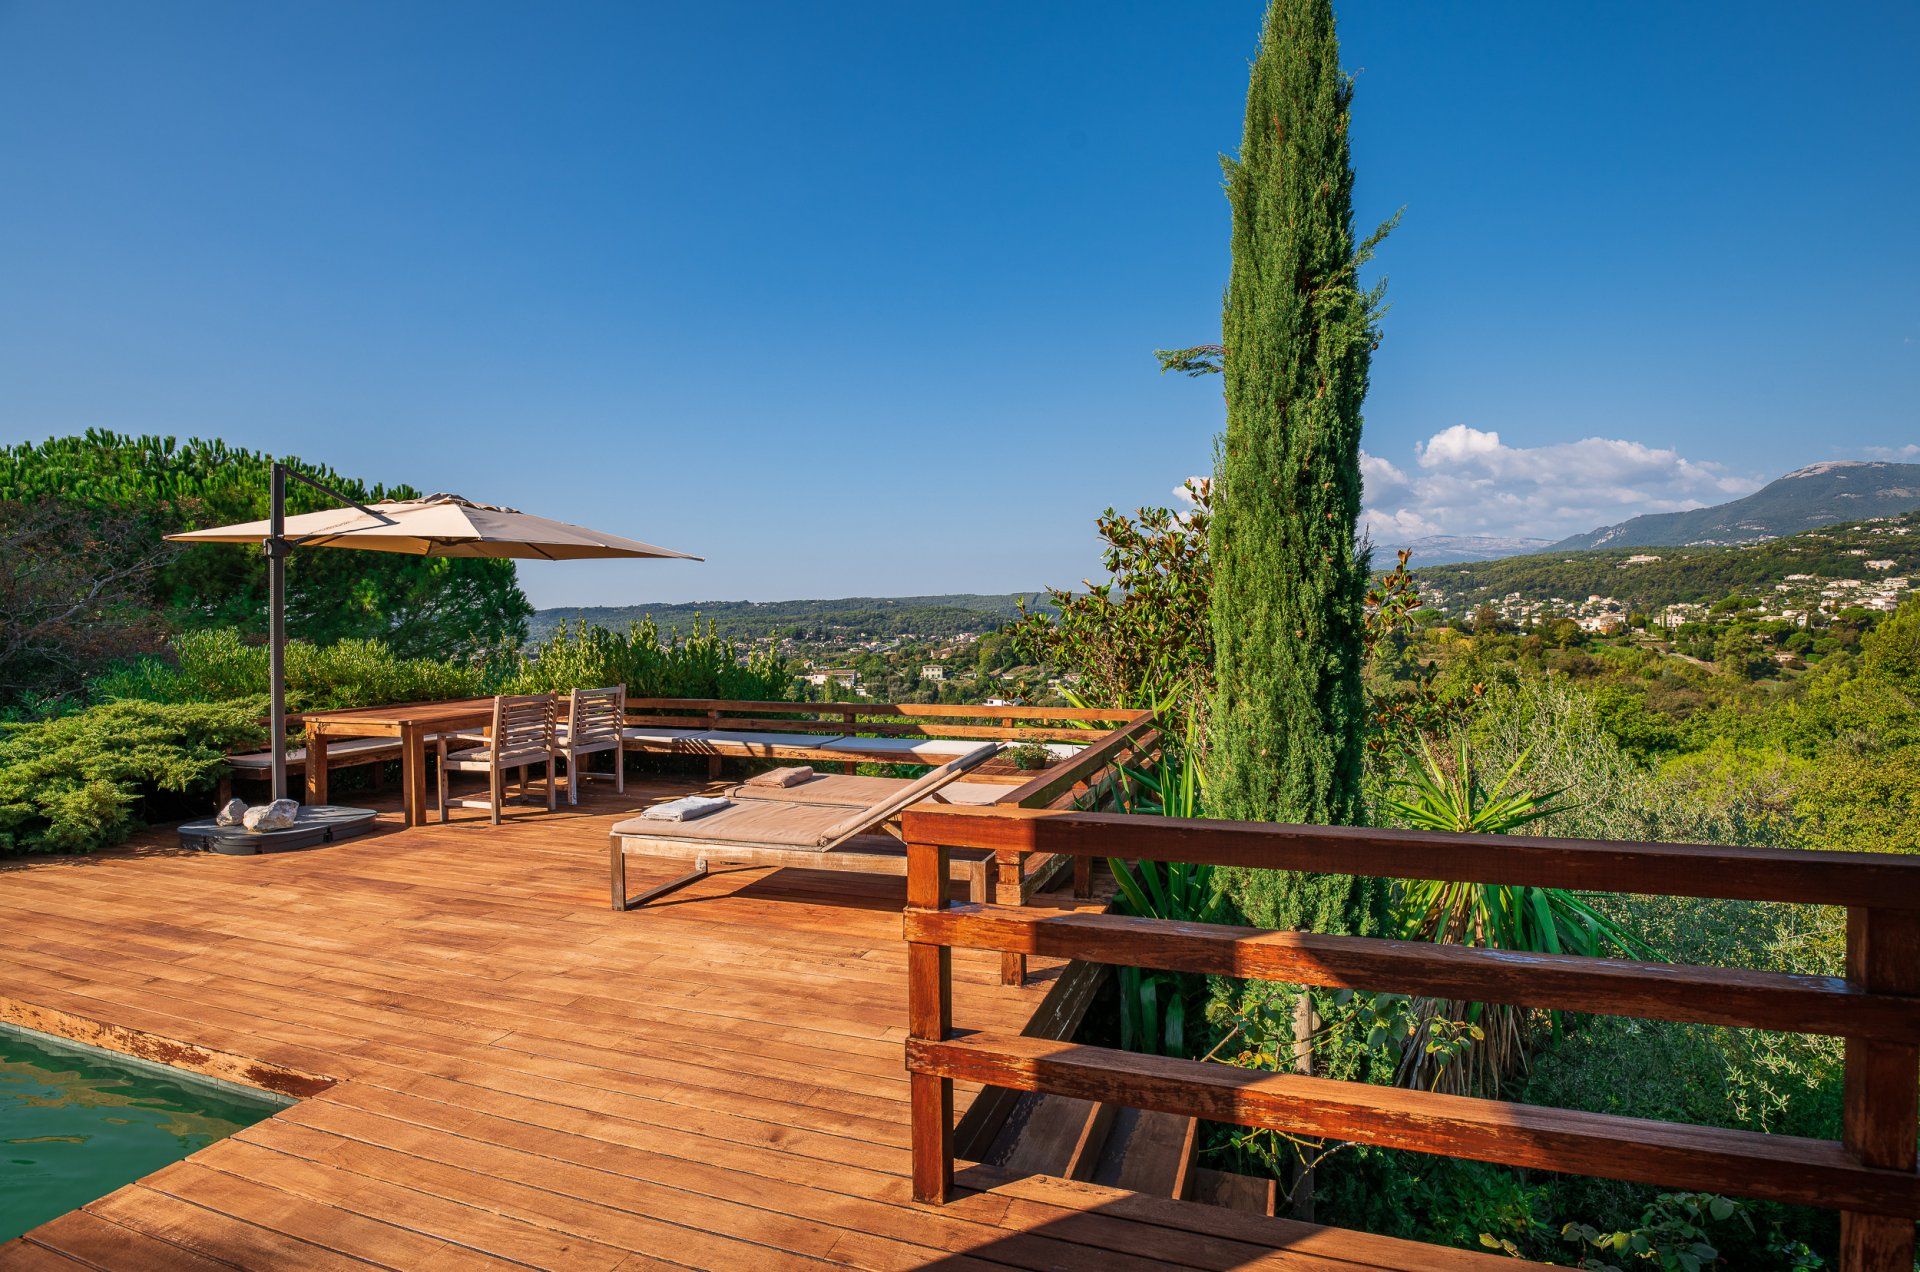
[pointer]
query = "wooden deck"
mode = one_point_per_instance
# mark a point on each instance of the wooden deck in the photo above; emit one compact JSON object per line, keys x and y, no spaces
{"x":498,"y":1070}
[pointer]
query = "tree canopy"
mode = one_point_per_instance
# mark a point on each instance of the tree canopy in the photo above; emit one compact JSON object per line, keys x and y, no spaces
{"x":1290,"y":581}
{"x":416,"y":605}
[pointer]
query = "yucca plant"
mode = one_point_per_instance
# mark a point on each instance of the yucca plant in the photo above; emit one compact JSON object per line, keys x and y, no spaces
{"x":1153,"y":1004}
{"x":1449,"y":795}
{"x":1173,"y":787}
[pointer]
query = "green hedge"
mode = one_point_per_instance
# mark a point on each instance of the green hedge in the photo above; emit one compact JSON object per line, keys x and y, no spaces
{"x":703,"y":665}
{"x":74,"y":783}
{"x":212,"y":666}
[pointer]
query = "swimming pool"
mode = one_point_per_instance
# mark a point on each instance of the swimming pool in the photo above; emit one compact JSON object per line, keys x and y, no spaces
{"x":78,"y":1122}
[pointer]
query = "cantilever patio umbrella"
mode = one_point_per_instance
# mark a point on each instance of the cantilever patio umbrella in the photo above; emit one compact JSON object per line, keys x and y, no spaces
{"x":437,"y":526}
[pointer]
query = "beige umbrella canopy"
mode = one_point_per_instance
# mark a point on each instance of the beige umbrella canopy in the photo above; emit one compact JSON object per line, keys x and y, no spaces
{"x":437,"y":526}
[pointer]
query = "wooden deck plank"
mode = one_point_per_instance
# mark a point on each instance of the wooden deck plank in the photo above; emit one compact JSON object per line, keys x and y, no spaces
{"x":524,"y":1078}
{"x":97,"y":1242}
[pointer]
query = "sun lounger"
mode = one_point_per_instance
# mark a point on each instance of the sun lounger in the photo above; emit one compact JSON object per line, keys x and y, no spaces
{"x":789,"y":831}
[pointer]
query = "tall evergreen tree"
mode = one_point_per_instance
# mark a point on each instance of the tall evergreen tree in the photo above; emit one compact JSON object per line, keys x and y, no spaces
{"x":1289,"y":580}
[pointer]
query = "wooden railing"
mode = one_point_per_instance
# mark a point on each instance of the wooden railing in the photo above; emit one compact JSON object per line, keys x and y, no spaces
{"x":885,"y":719}
{"x":1868,"y":1175}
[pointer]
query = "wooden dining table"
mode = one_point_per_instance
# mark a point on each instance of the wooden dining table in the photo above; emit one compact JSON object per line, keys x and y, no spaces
{"x":414,"y":723}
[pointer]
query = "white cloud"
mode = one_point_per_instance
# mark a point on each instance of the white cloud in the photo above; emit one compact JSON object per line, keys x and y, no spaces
{"x":1908,"y":452}
{"x":1468,"y":481}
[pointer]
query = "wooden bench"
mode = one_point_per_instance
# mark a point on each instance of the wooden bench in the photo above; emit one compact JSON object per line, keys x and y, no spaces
{"x":841,"y":748}
{"x":257,"y":766}
{"x":848,"y":733}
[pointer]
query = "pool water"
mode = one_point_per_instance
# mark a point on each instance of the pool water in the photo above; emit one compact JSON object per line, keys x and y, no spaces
{"x":77,"y":1122}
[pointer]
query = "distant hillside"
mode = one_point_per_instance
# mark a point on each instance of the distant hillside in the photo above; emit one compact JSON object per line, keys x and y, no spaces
{"x":1818,"y":495}
{"x":853,"y":617}
{"x":1681,"y":575}
{"x":1444,"y":549}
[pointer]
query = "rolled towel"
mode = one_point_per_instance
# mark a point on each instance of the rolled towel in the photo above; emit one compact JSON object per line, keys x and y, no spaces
{"x":687,"y":808}
{"x":782,"y":776}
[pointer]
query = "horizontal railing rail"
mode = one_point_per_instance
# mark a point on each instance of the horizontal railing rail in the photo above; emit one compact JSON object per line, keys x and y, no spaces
{"x":884,"y":719}
{"x":931,"y":710}
{"x":1868,"y":1175}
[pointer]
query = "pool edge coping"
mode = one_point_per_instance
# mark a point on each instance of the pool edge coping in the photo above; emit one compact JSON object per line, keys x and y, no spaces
{"x":254,"y":1077}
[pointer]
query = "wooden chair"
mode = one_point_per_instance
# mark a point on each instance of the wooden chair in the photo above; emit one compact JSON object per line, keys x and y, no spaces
{"x":594,"y":720}
{"x":524,"y":733}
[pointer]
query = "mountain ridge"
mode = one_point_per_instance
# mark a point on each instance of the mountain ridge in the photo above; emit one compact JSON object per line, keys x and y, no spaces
{"x":1449,"y":549}
{"x":1827,"y":493}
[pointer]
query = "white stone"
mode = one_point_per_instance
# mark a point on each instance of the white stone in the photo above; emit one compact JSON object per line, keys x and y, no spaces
{"x":231,"y":814}
{"x":275,"y":816}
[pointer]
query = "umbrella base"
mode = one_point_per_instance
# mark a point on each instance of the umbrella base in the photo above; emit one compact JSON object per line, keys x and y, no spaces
{"x":319,"y":824}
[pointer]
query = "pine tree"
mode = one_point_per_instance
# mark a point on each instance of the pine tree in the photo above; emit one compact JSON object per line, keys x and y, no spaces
{"x":1289,"y":588}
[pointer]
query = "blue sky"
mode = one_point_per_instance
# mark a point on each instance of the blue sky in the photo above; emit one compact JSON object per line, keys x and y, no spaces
{"x":861,"y":298}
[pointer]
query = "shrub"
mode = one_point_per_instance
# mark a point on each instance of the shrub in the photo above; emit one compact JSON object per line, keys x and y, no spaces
{"x":74,"y":783}
{"x":73,"y":586}
{"x":1029,"y":756}
{"x":702,"y":665}
{"x":1142,"y":638}
{"x":212,"y":666}
{"x":1892,"y":650}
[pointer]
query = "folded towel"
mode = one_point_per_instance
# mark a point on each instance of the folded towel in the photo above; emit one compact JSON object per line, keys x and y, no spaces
{"x":687,"y":808}
{"x":782,"y":776}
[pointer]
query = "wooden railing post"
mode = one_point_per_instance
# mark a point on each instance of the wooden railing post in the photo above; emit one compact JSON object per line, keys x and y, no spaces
{"x":1881,"y":1117}
{"x":930,"y":1016}
{"x":1011,"y":867}
{"x":852,"y":722}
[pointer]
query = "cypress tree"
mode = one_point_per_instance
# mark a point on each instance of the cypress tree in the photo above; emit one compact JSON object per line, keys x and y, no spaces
{"x":1285,"y":734}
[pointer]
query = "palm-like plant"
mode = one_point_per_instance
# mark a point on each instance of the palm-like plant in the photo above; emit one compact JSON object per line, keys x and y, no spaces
{"x":1449,"y":795}
{"x":1174,"y":787}
{"x":1153,"y":1004}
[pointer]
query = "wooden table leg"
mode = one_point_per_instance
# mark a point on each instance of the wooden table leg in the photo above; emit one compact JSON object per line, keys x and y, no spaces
{"x":316,"y":768}
{"x":413,"y":774}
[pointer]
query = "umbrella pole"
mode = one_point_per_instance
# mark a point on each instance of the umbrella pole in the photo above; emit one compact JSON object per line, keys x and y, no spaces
{"x":277,"y":548}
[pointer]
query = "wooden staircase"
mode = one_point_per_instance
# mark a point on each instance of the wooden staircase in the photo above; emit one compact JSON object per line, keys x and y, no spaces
{"x":1132,"y":1149}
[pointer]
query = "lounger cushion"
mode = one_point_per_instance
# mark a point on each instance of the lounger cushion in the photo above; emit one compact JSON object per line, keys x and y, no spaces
{"x":835,"y":788}
{"x":749,"y":822}
{"x":593,"y":742}
{"x":830,"y":788}
{"x":723,"y":741}
{"x":481,"y":757}
{"x":910,"y":750}
{"x":974,"y":792}
{"x":366,"y":748}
